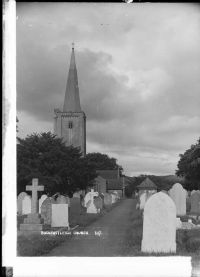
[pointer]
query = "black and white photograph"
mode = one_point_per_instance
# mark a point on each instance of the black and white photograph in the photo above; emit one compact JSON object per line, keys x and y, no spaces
{"x":107,"y":131}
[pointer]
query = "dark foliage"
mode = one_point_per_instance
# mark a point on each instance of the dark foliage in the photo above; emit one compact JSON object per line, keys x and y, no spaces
{"x":189,"y":167}
{"x":59,"y":168}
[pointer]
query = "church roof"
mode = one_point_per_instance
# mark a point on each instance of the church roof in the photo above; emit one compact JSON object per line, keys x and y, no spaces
{"x":72,"y":100}
{"x":147,"y":184}
{"x":108,"y":174}
{"x":114,"y":184}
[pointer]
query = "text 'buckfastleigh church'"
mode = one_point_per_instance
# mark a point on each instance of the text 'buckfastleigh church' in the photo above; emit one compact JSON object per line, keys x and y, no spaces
{"x":70,"y":124}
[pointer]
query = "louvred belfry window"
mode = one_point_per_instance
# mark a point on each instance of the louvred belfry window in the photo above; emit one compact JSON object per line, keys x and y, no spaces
{"x":70,"y":125}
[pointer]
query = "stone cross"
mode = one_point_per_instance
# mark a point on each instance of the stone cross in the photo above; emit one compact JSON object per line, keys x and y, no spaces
{"x":34,"y":188}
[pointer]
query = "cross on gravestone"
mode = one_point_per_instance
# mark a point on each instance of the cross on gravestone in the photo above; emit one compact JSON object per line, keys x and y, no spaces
{"x":34,"y":188}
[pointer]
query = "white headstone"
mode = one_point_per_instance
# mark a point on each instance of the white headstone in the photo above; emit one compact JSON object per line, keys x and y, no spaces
{"x":143,"y":198}
{"x":89,"y":201}
{"x":178,"y":194}
{"x":193,"y":191}
{"x":114,"y":198}
{"x":26,"y":205}
{"x":41,"y":200}
{"x":19,"y":202}
{"x":159,"y":226}
{"x":59,"y":215}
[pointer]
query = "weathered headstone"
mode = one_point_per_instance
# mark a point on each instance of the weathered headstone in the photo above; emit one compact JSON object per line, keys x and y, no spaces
{"x":33,"y":221}
{"x":76,"y":194}
{"x":194,"y":191}
{"x":117,"y":194}
{"x":61,"y":199}
{"x":75,"y":206}
{"x":107,"y":200}
{"x":19,"y":202}
{"x":46,"y":210}
{"x":59,"y":215}
{"x":178,"y":194}
{"x":159,"y":226}
{"x":26,"y":205}
{"x":98,"y":202}
{"x":195,"y":203}
{"x":114,"y":198}
{"x":89,"y":201}
{"x":41,"y":200}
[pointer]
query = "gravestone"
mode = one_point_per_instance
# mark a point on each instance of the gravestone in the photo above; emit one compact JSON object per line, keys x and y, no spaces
{"x":98,"y":202}
{"x":76,"y":194}
{"x":20,"y":198}
{"x":143,"y":198}
{"x":61,"y":199}
{"x":75,"y":206}
{"x":159,"y":226}
{"x":107,"y":200}
{"x":117,"y":194}
{"x":59,"y":215}
{"x":33,"y":221}
{"x":178,"y":195}
{"x":194,"y":191}
{"x":195,"y":203}
{"x":26,"y":205}
{"x":89,"y":201}
{"x":46,"y":210}
{"x":114,"y":198}
{"x":41,"y":200}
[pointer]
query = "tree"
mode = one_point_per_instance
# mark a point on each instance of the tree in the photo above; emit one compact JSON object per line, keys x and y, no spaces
{"x":189,"y":166}
{"x":59,"y":168}
{"x":103,"y":162}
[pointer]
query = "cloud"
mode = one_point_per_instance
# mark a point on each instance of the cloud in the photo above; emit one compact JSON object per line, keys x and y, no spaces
{"x":138,"y":75}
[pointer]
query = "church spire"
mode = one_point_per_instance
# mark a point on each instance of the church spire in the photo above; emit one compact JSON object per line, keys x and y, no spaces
{"x":72,"y":100}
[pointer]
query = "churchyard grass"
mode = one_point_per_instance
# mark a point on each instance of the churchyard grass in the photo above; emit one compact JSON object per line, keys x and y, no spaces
{"x":34,"y":244}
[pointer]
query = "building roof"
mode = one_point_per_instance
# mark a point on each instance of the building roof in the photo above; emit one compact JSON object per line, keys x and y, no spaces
{"x":72,"y":100}
{"x":108,"y":174}
{"x":114,"y":184}
{"x":147,"y":184}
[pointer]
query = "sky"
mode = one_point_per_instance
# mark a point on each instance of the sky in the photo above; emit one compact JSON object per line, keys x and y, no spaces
{"x":138,"y":71}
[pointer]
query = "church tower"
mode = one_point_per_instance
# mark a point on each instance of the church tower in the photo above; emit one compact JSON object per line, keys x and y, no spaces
{"x":70,"y":124}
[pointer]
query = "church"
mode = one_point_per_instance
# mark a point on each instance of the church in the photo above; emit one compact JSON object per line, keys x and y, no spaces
{"x":70,"y":123}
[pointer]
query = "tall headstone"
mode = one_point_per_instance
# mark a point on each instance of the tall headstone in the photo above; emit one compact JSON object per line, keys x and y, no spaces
{"x":178,"y":195}
{"x":46,"y":210}
{"x":26,"y":205}
{"x":33,"y":221}
{"x":41,"y":200}
{"x":59,"y":215}
{"x":195,"y":203}
{"x":20,"y":198}
{"x":159,"y":226}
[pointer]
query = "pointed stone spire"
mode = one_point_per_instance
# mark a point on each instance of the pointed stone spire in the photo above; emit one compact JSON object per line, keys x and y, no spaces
{"x":72,"y":100}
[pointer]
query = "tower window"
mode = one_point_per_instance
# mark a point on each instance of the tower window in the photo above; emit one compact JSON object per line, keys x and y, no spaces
{"x":70,"y":125}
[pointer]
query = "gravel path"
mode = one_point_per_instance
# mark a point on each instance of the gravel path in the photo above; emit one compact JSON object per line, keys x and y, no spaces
{"x":106,"y":236}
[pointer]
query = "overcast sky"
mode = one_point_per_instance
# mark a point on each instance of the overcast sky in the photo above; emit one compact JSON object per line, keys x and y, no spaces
{"x":139,"y":76}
